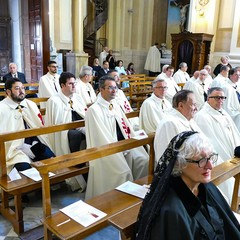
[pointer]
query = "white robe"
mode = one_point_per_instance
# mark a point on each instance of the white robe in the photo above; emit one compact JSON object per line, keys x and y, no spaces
{"x":152,"y":111}
{"x":168,"y":128}
{"x":153,"y":60}
{"x":173,"y":88}
{"x":198,"y":91}
{"x":218,"y":81}
{"x":47,"y":87}
{"x":102,"y":57}
{"x":181,"y":76}
{"x":231,"y":104}
{"x":12,"y":121}
{"x":107,"y":173}
{"x":58,"y":111}
{"x":86,"y":91}
{"x":224,"y":136}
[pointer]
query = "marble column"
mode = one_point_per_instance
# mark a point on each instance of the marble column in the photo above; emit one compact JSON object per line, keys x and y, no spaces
{"x":77,"y":58}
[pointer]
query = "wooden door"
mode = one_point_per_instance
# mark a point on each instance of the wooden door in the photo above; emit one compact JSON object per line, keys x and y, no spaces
{"x":39,"y":37}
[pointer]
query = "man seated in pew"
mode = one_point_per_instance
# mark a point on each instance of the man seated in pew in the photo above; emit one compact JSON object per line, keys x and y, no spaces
{"x":64,"y":107}
{"x":18,"y":113}
{"x":219,"y":127}
{"x":84,"y":87}
{"x":14,"y":73}
{"x":180,"y":119}
{"x":154,"y":108}
{"x":182,"y":202}
{"x":122,"y":100}
{"x":232,"y":92}
{"x":49,"y":83}
{"x":173,"y":88}
{"x":106,"y":123}
{"x":199,"y":87}
{"x":181,"y":75}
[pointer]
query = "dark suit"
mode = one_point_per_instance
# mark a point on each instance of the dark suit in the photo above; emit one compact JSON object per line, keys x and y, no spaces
{"x":101,"y":73}
{"x":20,"y":76}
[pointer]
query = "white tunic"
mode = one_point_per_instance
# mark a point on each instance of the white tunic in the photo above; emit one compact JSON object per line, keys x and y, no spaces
{"x":224,"y":136}
{"x":181,"y":76}
{"x":47,"y":85}
{"x":219,"y":81}
{"x":152,"y":111}
{"x":153,"y":60}
{"x":58,"y":111}
{"x":173,"y":88}
{"x":107,"y":173}
{"x":220,"y":129}
{"x":231,"y":104}
{"x":168,"y":128}
{"x":12,"y":121}
{"x":198,"y":90}
{"x":102,"y":57}
{"x":86,"y":91}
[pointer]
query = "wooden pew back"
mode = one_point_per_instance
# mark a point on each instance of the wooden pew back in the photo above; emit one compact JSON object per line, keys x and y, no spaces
{"x":44,"y":167}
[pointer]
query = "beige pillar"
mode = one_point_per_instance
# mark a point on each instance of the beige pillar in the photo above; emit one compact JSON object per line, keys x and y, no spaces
{"x":78,"y":57}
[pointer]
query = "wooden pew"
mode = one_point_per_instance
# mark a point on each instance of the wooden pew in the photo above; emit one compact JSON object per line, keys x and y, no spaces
{"x":139,"y":92}
{"x":27,"y":91}
{"x":125,"y":221}
{"x":24,"y":185}
{"x":116,"y":199}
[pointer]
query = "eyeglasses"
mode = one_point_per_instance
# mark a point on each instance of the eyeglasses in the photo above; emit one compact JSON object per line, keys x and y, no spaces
{"x":161,"y":87}
{"x":18,"y":88}
{"x":218,"y":97}
{"x":202,"y":162}
{"x":111,"y":88}
{"x":72,"y":83}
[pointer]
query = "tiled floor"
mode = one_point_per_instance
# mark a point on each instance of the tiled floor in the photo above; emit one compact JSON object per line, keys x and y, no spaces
{"x":33,"y":214}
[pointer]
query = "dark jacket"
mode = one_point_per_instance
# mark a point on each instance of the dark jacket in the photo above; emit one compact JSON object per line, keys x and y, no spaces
{"x":185,"y":216}
{"x":21,"y":76}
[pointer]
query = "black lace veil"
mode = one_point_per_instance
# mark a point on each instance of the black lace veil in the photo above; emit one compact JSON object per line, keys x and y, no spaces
{"x":159,"y":188}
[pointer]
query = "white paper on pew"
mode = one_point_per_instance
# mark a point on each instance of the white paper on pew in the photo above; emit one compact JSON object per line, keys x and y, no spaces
{"x":133,"y":189}
{"x":14,"y":175}
{"x":34,"y":174}
{"x":237,"y":215}
{"x":140,"y":134}
{"x":83,"y":213}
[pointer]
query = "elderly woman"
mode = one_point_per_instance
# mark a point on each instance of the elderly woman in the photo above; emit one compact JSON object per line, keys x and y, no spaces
{"x":182,"y":202}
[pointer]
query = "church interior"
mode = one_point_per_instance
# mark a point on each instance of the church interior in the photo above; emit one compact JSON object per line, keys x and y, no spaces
{"x":74,"y":32}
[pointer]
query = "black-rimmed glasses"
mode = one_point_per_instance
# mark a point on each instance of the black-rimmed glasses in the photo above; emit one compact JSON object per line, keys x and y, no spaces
{"x":202,"y":162}
{"x":218,"y":97}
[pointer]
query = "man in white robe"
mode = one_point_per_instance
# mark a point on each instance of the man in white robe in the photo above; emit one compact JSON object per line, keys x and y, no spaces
{"x":231,"y":104}
{"x":221,"y":78}
{"x":64,"y":107}
{"x":164,"y":69}
{"x":173,"y":88}
{"x":181,"y":76}
{"x":195,"y":76}
{"x":49,"y":83}
{"x":152,"y":63}
{"x":178,"y":120}
{"x":154,"y":108}
{"x":209,"y":78}
{"x":122,"y":100}
{"x":220,"y":129}
{"x":106,"y":123}
{"x":18,"y":113}
{"x":199,"y":88}
{"x":84,"y":87}
{"x":103,"y":55}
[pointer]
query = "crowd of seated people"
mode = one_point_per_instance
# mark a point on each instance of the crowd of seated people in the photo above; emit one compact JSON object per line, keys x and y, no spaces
{"x":205,"y":104}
